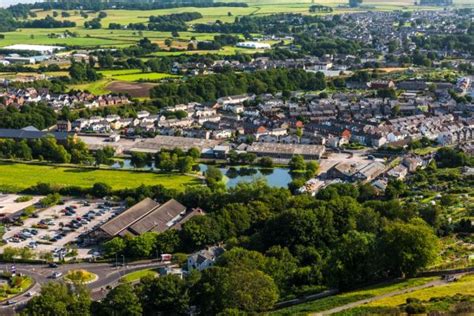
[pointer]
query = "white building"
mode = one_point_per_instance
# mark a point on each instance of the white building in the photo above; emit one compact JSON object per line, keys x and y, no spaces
{"x":254,"y":45}
{"x":41,"y":49}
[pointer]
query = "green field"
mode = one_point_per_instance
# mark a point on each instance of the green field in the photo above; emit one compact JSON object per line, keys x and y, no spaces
{"x":128,"y":75}
{"x":349,"y":297}
{"x":17,"y":177}
{"x":137,"y":275}
{"x":132,"y":75}
{"x":118,"y":38}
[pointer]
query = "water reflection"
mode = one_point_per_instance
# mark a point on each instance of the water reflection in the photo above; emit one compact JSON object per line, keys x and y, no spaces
{"x":276,"y":177}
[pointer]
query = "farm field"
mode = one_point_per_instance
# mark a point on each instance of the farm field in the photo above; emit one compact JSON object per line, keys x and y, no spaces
{"x":17,"y":177}
{"x":349,"y":297}
{"x":119,"y":80}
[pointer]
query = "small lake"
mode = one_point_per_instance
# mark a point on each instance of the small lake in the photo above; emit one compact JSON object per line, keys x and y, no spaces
{"x":275,"y":177}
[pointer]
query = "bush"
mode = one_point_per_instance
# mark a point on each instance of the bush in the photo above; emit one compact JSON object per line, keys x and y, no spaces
{"x":23,"y":198}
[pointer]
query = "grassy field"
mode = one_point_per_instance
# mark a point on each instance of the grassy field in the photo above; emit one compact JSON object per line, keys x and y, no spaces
{"x":118,"y":38}
{"x":17,"y":177}
{"x":349,"y":297}
{"x":464,"y":286}
{"x":124,"y":75}
{"x":137,"y":275}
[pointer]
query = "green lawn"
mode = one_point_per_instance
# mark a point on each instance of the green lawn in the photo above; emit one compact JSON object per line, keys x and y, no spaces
{"x":17,"y":176}
{"x":137,"y":275}
{"x":349,"y":297}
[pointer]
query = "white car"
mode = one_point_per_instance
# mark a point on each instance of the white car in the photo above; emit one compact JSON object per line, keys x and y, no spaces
{"x":56,"y":275}
{"x":30,"y":293}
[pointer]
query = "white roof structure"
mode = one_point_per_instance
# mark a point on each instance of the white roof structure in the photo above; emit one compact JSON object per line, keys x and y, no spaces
{"x":254,"y":45}
{"x":43,"y":49}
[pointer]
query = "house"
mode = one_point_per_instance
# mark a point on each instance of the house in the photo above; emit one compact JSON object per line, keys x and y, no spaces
{"x":412,"y":163}
{"x":63,"y":126}
{"x":204,"y":259}
{"x":399,"y":172}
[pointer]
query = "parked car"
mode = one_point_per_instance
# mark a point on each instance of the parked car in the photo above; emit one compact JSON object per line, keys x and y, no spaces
{"x":56,"y":275}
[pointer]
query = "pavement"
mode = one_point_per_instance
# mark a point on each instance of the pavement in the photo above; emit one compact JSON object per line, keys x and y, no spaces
{"x":59,"y":219}
{"x":108,"y":277}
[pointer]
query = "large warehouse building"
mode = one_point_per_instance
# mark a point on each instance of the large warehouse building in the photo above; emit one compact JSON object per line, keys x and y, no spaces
{"x":146,"y":216}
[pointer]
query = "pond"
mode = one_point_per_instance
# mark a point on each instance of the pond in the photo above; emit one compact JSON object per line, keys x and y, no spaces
{"x":275,"y":177}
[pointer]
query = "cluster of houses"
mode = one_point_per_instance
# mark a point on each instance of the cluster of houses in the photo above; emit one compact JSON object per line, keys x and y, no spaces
{"x":386,"y":28}
{"x":309,"y":63}
{"x":19,"y":97}
{"x":373,"y":171}
{"x":334,"y":121}
{"x":443,"y":129}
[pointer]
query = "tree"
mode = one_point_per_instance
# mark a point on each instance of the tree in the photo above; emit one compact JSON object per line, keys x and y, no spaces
{"x":213,"y":176}
{"x":265,"y":162}
{"x":185,"y":164}
{"x":114,"y":246}
{"x":251,"y":291}
{"x":141,"y":246}
{"x":408,"y":247}
{"x":59,"y":299}
{"x":168,"y":295}
{"x":312,"y":168}
{"x":297,"y":163}
{"x":353,"y":261}
{"x":121,"y":301}
{"x":101,"y":189}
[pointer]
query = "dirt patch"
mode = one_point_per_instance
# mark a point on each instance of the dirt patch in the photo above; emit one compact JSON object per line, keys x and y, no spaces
{"x":134,"y":89}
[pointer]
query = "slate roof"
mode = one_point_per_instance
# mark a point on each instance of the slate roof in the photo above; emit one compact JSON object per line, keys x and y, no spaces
{"x":128,"y":217}
{"x":147,"y":216}
{"x":30,"y":134}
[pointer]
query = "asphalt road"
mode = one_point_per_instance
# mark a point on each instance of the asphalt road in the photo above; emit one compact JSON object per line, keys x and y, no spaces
{"x":108,"y":275}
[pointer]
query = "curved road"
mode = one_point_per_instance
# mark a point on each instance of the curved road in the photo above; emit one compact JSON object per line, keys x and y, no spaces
{"x":108,"y":275}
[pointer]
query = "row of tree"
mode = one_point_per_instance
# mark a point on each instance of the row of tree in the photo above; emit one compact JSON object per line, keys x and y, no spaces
{"x":212,"y":87}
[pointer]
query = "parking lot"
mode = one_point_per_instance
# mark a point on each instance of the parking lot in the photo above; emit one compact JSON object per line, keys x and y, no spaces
{"x":50,"y":230}
{"x":9,"y":203}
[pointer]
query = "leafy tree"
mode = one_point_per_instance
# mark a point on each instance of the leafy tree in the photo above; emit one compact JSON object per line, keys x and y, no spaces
{"x":408,"y":247}
{"x":168,"y":295}
{"x":353,"y":261}
{"x":251,"y":291}
{"x":265,"y":162}
{"x":121,"y":301}
{"x":114,"y":246}
{"x":141,"y":246}
{"x":101,"y":189}
{"x":297,"y":163}
{"x":59,"y":299}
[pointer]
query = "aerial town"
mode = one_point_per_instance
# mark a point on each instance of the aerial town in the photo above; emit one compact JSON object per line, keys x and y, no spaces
{"x":185,"y":157}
